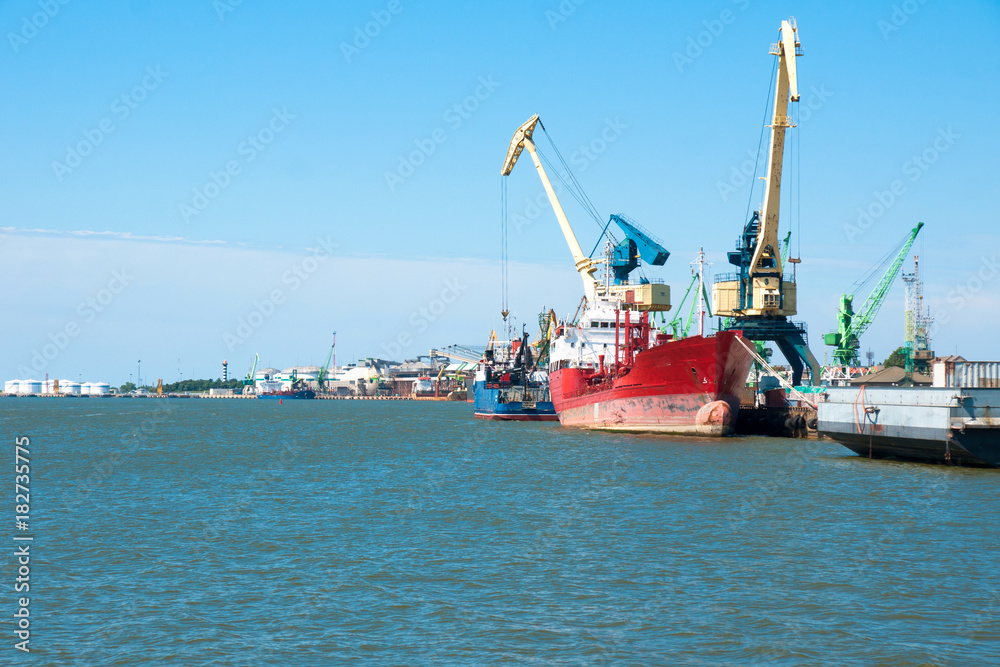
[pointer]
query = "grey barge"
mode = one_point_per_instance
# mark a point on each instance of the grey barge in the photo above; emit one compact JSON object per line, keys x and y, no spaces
{"x":956,"y":425}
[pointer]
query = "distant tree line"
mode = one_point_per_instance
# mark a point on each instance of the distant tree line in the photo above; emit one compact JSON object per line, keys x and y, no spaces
{"x":186,"y":386}
{"x":897,"y":358}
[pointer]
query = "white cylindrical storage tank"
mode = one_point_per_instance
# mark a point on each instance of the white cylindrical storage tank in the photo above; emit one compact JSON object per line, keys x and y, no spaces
{"x":100,"y":389}
{"x":307,"y":372}
{"x":85,"y":388}
{"x":30,"y":387}
{"x":69,"y":387}
{"x":10,"y":386}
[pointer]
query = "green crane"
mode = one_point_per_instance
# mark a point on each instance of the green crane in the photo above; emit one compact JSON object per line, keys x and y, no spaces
{"x":248,"y":381}
{"x":321,"y":381}
{"x":851,"y":325}
{"x":680,"y":326}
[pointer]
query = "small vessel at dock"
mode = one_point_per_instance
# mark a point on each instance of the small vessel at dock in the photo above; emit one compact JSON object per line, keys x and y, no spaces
{"x":510,"y":386}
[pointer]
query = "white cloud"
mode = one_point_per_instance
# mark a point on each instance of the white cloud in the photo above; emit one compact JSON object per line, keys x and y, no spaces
{"x":188,"y":302}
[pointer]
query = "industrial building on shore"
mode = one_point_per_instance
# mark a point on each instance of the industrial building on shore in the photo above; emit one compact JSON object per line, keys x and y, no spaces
{"x":56,"y":387}
{"x":427,"y":376}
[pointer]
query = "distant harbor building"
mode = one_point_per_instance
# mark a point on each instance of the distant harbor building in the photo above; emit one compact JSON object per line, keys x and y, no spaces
{"x":266,"y":379}
{"x":955,"y":371}
{"x":361,"y":379}
{"x":69,"y":387}
{"x":307,"y":374}
{"x":406,"y":377}
{"x":30,"y":387}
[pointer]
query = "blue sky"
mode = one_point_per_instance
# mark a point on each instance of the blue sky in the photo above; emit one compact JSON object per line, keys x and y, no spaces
{"x":212,"y":149}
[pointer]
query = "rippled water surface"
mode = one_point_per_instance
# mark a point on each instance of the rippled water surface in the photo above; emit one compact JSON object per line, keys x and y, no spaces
{"x":193,"y":532}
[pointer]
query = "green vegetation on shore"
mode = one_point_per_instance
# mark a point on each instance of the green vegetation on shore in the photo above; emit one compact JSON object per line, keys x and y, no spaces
{"x":186,"y":386}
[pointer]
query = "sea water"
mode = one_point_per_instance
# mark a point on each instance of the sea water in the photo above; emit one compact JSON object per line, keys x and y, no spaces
{"x":190,"y":532}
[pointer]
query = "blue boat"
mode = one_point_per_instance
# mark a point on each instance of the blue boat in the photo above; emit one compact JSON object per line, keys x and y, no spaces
{"x":289,"y":393}
{"x":509,"y":387}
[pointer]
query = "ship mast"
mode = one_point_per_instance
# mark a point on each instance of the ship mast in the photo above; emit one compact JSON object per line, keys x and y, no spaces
{"x":700,"y":263}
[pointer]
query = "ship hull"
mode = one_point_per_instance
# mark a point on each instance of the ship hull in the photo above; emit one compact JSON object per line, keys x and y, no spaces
{"x":949,"y":425}
{"x":683,"y":387}
{"x":291,"y":395}
{"x":493,"y":402}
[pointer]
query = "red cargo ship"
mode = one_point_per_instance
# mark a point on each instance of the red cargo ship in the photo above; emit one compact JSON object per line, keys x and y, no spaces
{"x":613,"y":372}
{"x":688,"y":386}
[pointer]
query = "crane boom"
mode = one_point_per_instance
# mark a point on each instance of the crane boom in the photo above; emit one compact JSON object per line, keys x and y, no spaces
{"x":521,"y":140}
{"x":766,"y":259}
{"x":323,"y":372}
{"x":851,"y":325}
{"x":249,"y":381}
{"x":460,"y":353}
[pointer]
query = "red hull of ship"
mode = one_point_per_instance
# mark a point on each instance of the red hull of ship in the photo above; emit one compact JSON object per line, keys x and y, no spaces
{"x":690,"y":386}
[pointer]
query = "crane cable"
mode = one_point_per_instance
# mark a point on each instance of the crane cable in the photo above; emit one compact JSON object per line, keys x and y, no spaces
{"x":760,"y":142}
{"x":504,"y":309}
{"x":876,"y":269}
{"x":572,"y":185}
{"x":798,"y":191}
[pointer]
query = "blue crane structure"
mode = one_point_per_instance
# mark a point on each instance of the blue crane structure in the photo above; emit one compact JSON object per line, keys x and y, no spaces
{"x":638,"y":244}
